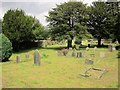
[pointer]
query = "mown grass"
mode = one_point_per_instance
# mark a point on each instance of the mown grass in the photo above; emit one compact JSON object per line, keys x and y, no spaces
{"x":60,"y":71}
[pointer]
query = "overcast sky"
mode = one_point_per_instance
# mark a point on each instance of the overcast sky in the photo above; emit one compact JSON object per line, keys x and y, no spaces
{"x":37,"y":8}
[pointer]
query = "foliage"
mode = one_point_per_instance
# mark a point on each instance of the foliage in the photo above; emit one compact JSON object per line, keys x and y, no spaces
{"x":6,"y":47}
{"x":78,"y":40}
{"x":98,"y":21}
{"x":114,"y":20}
{"x":68,"y":20}
{"x":20,"y":28}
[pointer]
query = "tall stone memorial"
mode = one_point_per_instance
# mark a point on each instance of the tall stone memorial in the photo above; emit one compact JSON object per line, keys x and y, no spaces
{"x":36,"y":57}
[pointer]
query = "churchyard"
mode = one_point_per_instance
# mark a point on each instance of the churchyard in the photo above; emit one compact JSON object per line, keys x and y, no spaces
{"x":59,"y":71}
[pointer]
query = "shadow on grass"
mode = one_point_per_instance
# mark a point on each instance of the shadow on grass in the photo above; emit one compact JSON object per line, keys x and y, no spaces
{"x":83,"y":47}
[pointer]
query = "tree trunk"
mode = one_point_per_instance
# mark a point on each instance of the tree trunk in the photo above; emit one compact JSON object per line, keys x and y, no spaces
{"x":69,"y":44}
{"x":15,"y":45}
{"x":99,"y":42}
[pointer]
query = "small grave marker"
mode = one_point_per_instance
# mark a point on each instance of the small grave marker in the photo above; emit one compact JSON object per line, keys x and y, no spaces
{"x":17,"y":59}
{"x":36,"y":57}
{"x":27,"y":56}
{"x":110,"y":48}
{"x":102,"y":54}
{"x":73,"y":54}
{"x":95,"y":48}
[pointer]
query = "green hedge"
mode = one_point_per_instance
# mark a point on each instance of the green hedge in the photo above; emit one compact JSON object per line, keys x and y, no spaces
{"x":5,"y":48}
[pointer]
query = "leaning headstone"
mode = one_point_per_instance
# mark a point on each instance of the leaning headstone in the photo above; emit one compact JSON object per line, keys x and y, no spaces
{"x":36,"y":57}
{"x":95,"y":48}
{"x":87,"y":61}
{"x":27,"y":56}
{"x":102,"y":54}
{"x":17,"y":59}
{"x":73,"y":54}
{"x":110,"y":48}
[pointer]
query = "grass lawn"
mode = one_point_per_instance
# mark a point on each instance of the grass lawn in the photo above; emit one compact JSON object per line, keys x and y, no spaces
{"x":59,"y":71}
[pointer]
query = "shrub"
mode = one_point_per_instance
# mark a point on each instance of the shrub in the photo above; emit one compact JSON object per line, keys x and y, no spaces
{"x":6,"y":48}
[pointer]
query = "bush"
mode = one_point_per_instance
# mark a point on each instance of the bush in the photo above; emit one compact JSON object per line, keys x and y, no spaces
{"x":6,"y":48}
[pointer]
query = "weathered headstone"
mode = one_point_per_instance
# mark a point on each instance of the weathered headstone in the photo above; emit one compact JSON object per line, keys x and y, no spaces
{"x":36,"y":57}
{"x":79,"y":54}
{"x":27,"y":56}
{"x":110,"y":48}
{"x":87,"y":61}
{"x":17,"y":59}
{"x":102,"y":54}
{"x":95,"y":48}
{"x":83,"y":54}
{"x":73,"y":54}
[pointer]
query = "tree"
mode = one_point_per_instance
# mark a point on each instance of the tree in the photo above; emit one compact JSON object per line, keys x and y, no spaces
{"x":67,"y":21}
{"x":98,"y":21}
{"x":19,"y":28}
{"x":114,"y":19}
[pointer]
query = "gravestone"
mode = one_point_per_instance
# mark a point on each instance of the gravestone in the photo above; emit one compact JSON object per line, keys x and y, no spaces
{"x":27,"y":56}
{"x":17,"y":59}
{"x":102,"y":54}
{"x":79,"y":54}
{"x":95,"y":48}
{"x":110,"y":48}
{"x":83,"y":54}
{"x":87,"y":61}
{"x":73,"y":54}
{"x":36,"y":57}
